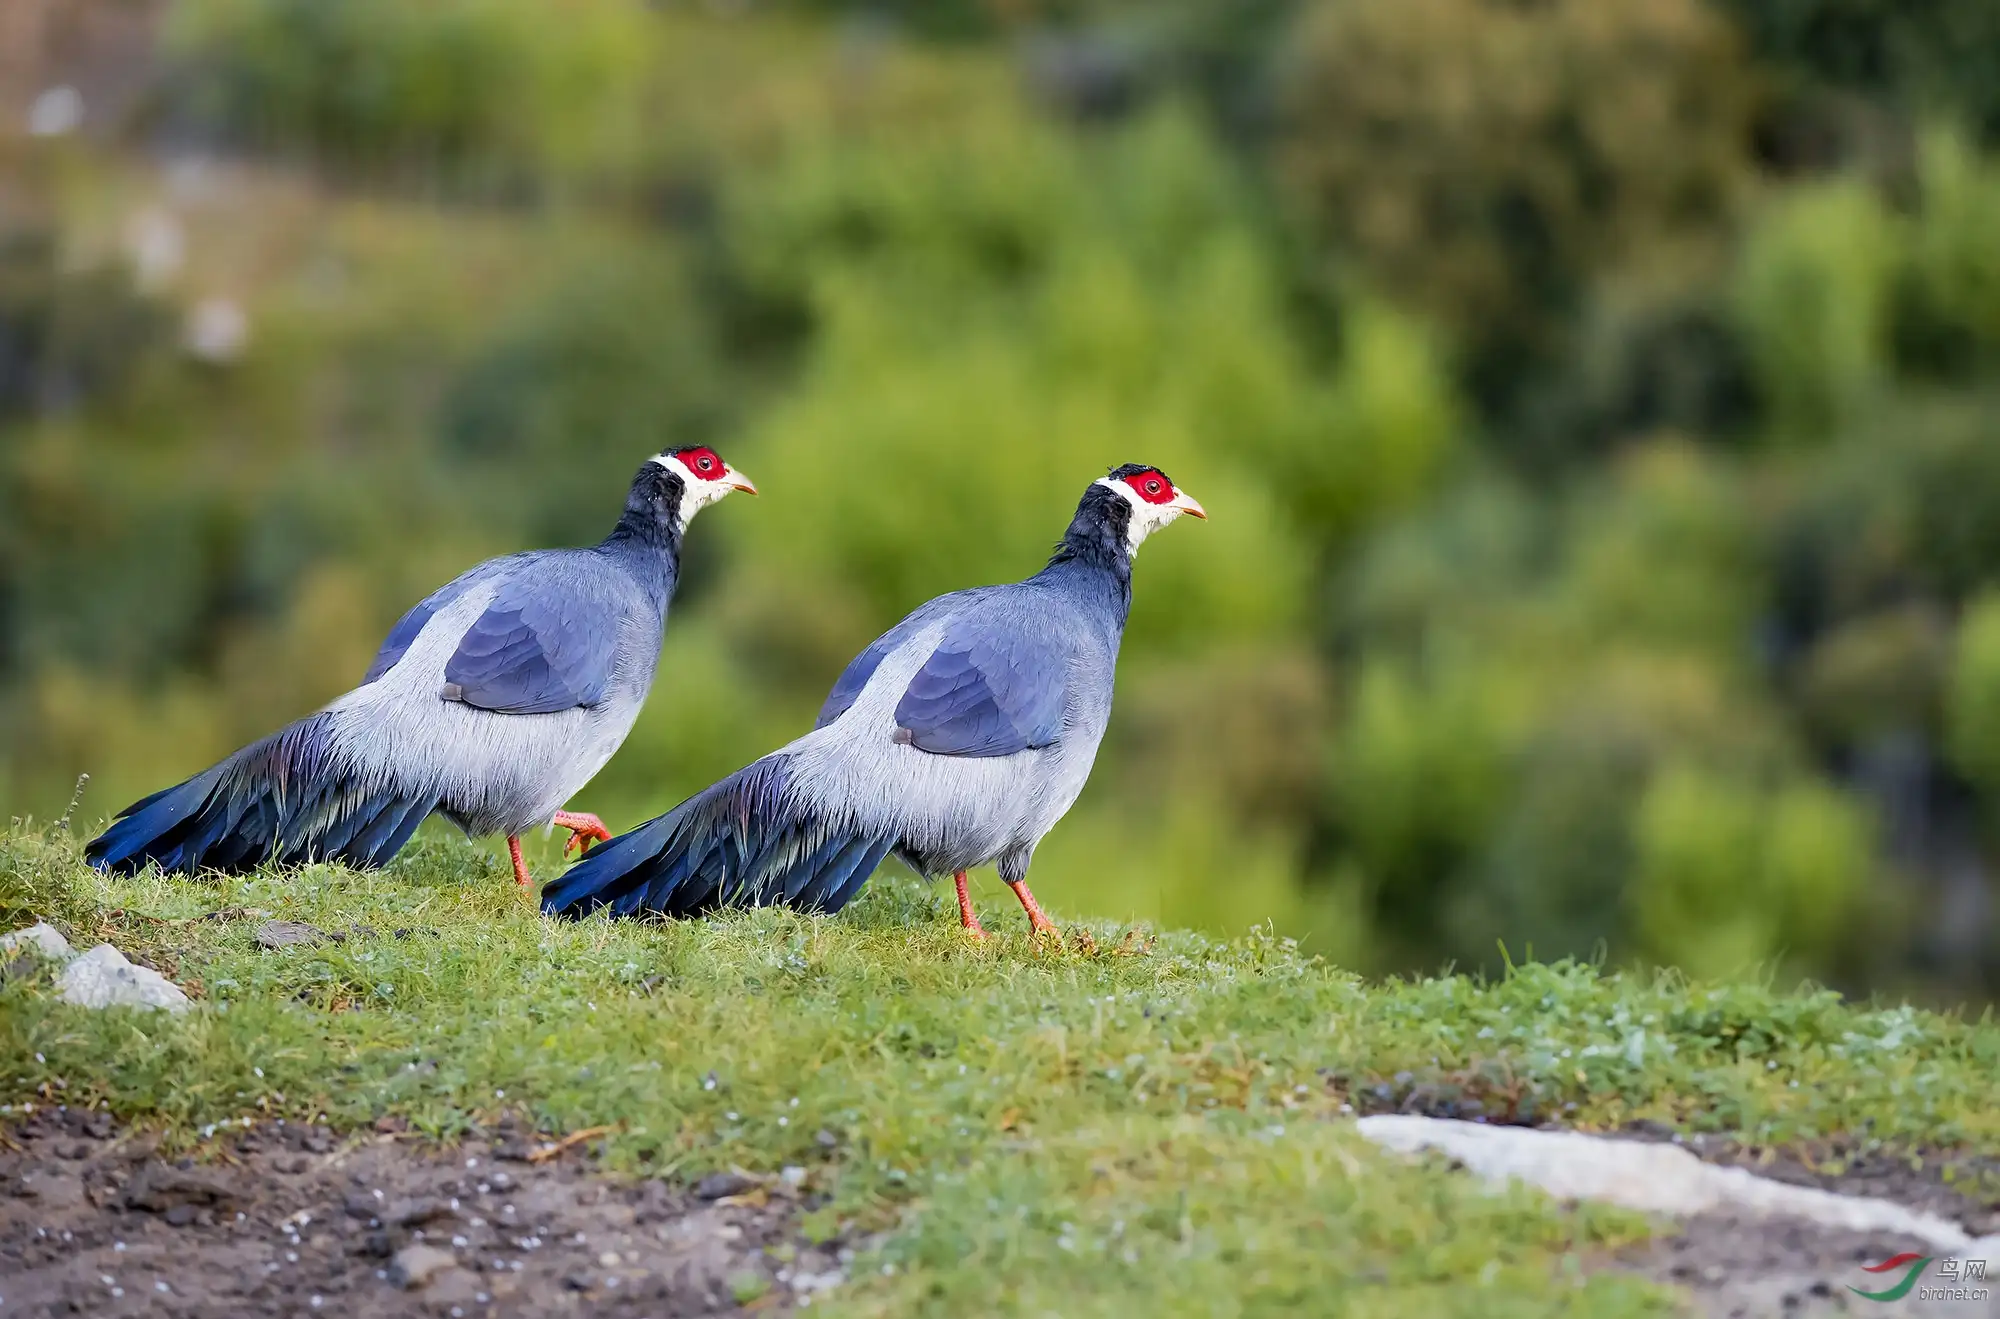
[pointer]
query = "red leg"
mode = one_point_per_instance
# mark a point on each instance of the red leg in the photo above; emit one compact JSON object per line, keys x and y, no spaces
{"x":584,"y":829}
{"x":966,"y":915}
{"x":521,"y":875}
{"x":1037,"y":919}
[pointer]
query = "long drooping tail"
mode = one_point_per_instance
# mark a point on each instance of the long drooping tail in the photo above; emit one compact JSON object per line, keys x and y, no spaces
{"x":289,"y":798}
{"x":748,"y":841}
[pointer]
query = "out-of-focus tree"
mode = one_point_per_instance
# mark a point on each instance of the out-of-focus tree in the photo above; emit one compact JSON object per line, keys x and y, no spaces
{"x":994,"y":306}
{"x":1733,"y":874}
{"x":1974,"y":699}
{"x":1948,"y":323}
{"x":1485,"y":159}
{"x":1813,"y":297}
{"x":1919,"y":57}
{"x":615,"y":363}
{"x":67,"y":334}
{"x":446,"y":91}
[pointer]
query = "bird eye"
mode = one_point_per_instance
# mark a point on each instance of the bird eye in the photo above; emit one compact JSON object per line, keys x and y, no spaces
{"x":1152,"y":487}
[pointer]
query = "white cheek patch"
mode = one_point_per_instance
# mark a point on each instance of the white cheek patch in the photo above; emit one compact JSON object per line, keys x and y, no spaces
{"x":1146,"y":518}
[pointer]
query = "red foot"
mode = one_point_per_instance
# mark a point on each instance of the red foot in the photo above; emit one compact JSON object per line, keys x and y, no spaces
{"x":966,"y":916}
{"x":584,"y":829}
{"x":1037,"y":920}
{"x":521,"y":875}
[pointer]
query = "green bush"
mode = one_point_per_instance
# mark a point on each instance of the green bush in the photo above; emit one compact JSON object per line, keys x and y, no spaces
{"x":1973,"y":698}
{"x":1484,"y":160}
{"x":1516,"y":694}
{"x":1418,"y":774}
{"x":1904,"y":507}
{"x":1731,"y":875}
{"x":1000,"y":312}
{"x":1664,"y":556}
{"x":1641,"y":363}
{"x":1949,"y":317}
{"x":1917,"y":56}
{"x":1813,"y":299}
{"x":614,"y":363}
{"x":68,"y":336}
{"x":467,"y":88}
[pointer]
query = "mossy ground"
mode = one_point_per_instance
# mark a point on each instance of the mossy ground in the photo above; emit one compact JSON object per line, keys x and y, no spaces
{"x":1126,"y":1122}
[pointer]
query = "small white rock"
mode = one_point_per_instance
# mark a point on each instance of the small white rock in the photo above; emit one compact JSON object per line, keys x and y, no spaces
{"x":217,"y":330}
{"x":1661,"y":1179}
{"x":102,"y":978}
{"x":41,"y":937}
{"x":416,"y":1265}
{"x":57,"y":111}
{"x":156,"y":246}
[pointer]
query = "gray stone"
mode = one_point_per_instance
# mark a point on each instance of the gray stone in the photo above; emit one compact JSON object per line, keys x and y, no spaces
{"x":453,"y":1287}
{"x":160,"y":1188}
{"x":721,"y":1185}
{"x":416,"y":1213}
{"x":102,"y":978}
{"x":287,"y":934}
{"x":52,"y":1190}
{"x":416,"y":1265}
{"x":41,"y":937}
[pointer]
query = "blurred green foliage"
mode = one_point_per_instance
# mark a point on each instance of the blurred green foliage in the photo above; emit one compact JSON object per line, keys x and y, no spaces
{"x":1922,"y":57}
{"x":1812,"y":301}
{"x":1605,"y":486}
{"x":1487,"y":160}
{"x":494,"y":89}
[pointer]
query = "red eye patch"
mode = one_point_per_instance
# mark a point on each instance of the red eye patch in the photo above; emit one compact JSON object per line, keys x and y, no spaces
{"x":1151,"y":486}
{"x":704,"y":462}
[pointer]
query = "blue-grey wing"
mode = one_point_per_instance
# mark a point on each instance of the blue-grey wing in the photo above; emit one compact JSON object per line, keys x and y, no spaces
{"x":987,"y":690}
{"x":848,"y":686}
{"x":854,"y":677}
{"x":541,"y":646}
{"x":402,"y":636}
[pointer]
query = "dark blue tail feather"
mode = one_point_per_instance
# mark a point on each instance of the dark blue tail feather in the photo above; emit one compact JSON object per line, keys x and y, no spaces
{"x":285,"y":799}
{"x":745,"y":842}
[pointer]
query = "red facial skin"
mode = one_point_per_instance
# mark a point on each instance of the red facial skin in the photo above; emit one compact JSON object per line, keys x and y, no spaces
{"x":704,"y":462}
{"x":1151,"y":486}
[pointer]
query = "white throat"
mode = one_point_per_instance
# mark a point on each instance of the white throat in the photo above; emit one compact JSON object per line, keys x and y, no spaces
{"x":1146,"y":518}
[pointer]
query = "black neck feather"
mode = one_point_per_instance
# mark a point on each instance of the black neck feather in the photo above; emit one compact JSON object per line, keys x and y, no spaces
{"x":652,"y":517}
{"x":1096,"y":542}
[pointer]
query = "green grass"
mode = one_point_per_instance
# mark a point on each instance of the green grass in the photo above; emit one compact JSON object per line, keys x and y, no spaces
{"x":1126,"y":1123}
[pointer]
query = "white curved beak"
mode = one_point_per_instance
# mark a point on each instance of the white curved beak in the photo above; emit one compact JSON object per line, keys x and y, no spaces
{"x":738,"y":481}
{"x":1187,"y":504}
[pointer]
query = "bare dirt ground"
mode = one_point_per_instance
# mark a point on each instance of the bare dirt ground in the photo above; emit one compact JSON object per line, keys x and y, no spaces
{"x":1748,"y":1268}
{"x":1753,"y":1269}
{"x":296,"y":1221}
{"x":1762,"y":1269}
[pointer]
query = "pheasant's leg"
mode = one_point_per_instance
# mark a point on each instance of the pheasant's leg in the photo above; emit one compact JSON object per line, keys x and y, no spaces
{"x":1037,"y":919}
{"x":521,"y":875}
{"x":584,"y":829}
{"x":966,"y":915}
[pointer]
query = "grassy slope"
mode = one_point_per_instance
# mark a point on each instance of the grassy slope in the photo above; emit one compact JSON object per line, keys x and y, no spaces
{"x":1149,"y":1122}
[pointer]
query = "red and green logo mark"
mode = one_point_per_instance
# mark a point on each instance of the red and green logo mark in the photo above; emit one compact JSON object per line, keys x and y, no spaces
{"x":1912,"y":1265}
